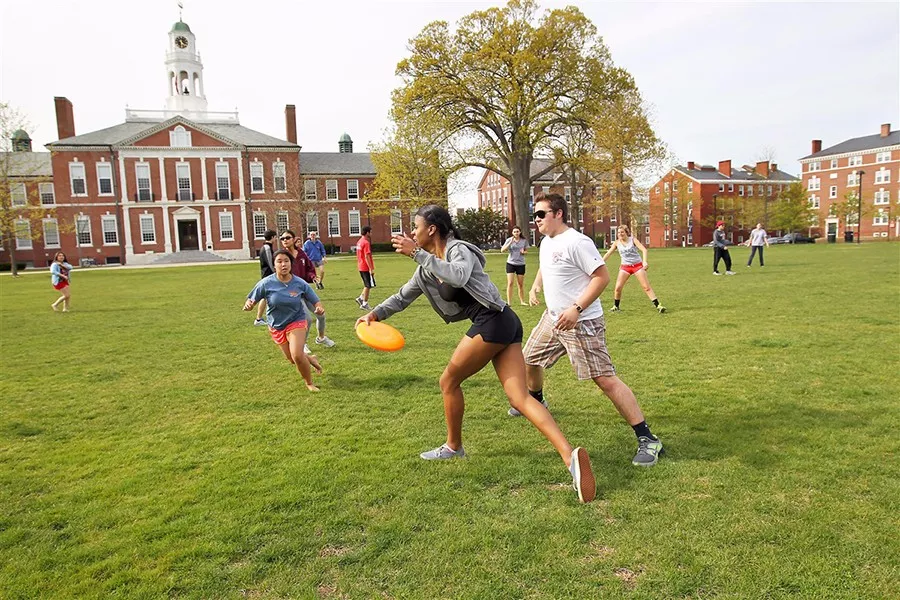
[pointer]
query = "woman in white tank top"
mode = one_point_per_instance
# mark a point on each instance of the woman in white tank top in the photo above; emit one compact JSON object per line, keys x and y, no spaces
{"x":632,"y":264}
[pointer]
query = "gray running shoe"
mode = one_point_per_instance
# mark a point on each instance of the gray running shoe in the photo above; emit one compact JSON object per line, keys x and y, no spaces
{"x":582,"y":476}
{"x":514,"y":413}
{"x":325,"y":341}
{"x":648,"y":452}
{"x":359,"y":301}
{"x":443,"y":452}
{"x":255,"y":321}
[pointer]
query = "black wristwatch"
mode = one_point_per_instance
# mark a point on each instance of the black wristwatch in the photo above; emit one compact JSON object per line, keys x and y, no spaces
{"x":578,"y":308}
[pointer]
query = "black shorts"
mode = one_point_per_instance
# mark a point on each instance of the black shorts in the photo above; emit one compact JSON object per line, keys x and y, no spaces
{"x":517,"y":269}
{"x":497,"y":327}
{"x":368,"y":280}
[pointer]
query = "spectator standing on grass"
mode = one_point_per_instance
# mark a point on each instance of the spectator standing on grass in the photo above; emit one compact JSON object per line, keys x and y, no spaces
{"x":720,"y":249}
{"x":572,"y":276}
{"x":287,"y":297}
{"x":632,"y":264}
{"x":266,"y":268}
{"x":316,"y":252}
{"x":758,"y":240}
{"x":517,"y":246}
{"x":450,"y":273}
{"x":303,"y":268}
{"x":59,"y":277}
{"x":366,"y":266}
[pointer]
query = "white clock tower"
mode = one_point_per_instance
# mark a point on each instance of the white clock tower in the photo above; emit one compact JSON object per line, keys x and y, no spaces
{"x":185,"y":73}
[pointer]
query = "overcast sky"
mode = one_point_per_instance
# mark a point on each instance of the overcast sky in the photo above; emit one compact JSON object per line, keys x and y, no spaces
{"x":726,"y":80}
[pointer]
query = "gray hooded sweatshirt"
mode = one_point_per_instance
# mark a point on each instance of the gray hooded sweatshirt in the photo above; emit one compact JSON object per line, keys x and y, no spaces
{"x":463,"y":268}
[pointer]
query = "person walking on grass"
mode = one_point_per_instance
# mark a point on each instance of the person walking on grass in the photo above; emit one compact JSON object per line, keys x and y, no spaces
{"x":315,"y":250}
{"x":632,"y":264}
{"x":516,"y":245}
{"x":720,"y":249}
{"x":303,"y":268}
{"x":758,"y":239}
{"x":286,"y":297}
{"x":450,"y":273}
{"x":572,"y":275}
{"x":366,"y":266}
{"x":266,"y":268}
{"x":59,"y":277}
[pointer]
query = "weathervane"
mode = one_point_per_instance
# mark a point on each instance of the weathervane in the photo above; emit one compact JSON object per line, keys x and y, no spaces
{"x":180,"y":8}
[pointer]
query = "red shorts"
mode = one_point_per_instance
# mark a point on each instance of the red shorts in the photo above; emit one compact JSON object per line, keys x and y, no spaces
{"x":63,"y":283}
{"x":632,"y":269}
{"x":279,"y":336}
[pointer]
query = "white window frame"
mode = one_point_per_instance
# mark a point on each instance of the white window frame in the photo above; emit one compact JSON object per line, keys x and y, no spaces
{"x":148,"y":235}
{"x":882,"y":196}
{"x":814,"y":184}
{"x":545,"y":189}
{"x":815,"y":166}
{"x":852,"y":179}
{"x":331,"y":189}
{"x":353,"y":189}
{"x":257,"y":172}
{"x":396,"y":221}
{"x":223,"y":174}
{"x":855,"y":161}
{"x":832,"y":191}
{"x":334,"y":218}
{"x":312,"y":222}
{"x":882,"y":157}
{"x":260,"y":227}
{"x":45,"y":194}
{"x":690,"y":187}
{"x":183,"y":166}
{"x":282,"y":215}
{"x":567,"y":194}
{"x":666,"y":186}
{"x":834,"y":163}
{"x":105,"y":220}
{"x":730,"y":188}
{"x":768,"y":190}
{"x":18,"y":195}
{"x":138,"y":167}
{"x":880,"y":219}
{"x":226,"y":224}
{"x":24,"y":242}
{"x":179,"y":137}
{"x":310,"y":189}
{"x":54,"y":228}
{"x":74,"y":176}
{"x":105,"y":166}
{"x":354,"y":215}
{"x":721,"y":187}
{"x":740,"y":190}
{"x":279,"y":177}
{"x":80,"y":229}
{"x":749,"y":190}
{"x":814,"y":201}
{"x":882,"y":175}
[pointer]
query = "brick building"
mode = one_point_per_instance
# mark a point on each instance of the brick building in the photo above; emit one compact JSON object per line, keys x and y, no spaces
{"x":837,"y":174}
{"x":686,"y":201}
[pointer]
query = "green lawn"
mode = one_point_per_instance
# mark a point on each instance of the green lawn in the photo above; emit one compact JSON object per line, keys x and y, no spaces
{"x":154,"y":444}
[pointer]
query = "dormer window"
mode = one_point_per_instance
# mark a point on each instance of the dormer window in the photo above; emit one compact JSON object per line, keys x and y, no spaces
{"x":180,"y":137}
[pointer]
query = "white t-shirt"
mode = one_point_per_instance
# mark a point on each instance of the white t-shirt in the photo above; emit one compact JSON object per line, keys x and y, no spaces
{"x":758,"y":237}
{"x":567,"y":261}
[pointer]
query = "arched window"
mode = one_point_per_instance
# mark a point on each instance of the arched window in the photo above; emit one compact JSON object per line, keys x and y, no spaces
{"x":180,"y":137}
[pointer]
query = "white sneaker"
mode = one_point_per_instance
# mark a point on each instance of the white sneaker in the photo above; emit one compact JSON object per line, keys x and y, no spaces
{"x":306,"y":349}
{"x":443,"y":452}
{"x":730,"y":273}
{"x":325,"y":341}
{"x":359,"y":301}
{"x":259,"y":322}
{"x":716,"y":273}
{"x":582,"y":475}
{"x":365,"y":306}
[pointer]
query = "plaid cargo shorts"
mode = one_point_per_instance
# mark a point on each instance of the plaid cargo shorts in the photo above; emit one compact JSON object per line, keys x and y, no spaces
{"x":585,"y":345}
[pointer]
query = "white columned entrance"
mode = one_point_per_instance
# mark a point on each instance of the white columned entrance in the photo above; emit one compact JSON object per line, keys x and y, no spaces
{"x":187,"y":229}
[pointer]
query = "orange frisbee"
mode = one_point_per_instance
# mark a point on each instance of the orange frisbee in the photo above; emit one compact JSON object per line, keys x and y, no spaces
{"x":380,"y":336}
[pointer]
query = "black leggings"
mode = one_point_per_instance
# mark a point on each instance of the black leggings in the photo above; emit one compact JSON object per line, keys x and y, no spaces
{"x":721,"y":254}
{"x":753,"y":250}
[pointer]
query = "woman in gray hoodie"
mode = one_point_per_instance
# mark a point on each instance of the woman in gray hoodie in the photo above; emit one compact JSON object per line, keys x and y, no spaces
{"x":450,"y":273}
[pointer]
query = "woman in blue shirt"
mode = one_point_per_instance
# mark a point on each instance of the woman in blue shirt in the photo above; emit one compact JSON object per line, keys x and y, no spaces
{"x":286,"y":313}
{"x":59,"y":277}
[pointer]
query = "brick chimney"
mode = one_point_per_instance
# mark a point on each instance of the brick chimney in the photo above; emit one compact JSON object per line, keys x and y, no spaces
{"x":816,"y":146}
{"x":762,"y":168}
{"x":65,"y":118}
{"x":885,"y":129}
{"x":290,"y":122}
{"x":725,"y":168}
{"x":690,"y":165}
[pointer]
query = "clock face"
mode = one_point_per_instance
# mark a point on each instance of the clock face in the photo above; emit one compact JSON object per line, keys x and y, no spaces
{"x":181,"y":41}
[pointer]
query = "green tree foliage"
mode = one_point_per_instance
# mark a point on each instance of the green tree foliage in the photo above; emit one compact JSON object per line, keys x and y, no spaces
{"x":792,"y":211}
{"x":506,"y":85}
{"x":482,"y":226}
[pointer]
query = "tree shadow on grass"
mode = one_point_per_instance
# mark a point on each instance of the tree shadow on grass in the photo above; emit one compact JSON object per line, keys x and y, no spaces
{"x":384,"y":382}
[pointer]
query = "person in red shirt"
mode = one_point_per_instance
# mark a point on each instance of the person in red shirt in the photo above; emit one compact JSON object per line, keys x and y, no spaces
{"x":366,"y":266}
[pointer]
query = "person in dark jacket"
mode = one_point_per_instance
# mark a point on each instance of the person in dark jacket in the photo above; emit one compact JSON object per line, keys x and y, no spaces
{"x":304,"y":268}
{"x":720,"y":249}
{"x":266,"y":268}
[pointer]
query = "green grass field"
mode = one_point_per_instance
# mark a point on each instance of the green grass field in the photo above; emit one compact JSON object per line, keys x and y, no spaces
{"x":154,"y":444}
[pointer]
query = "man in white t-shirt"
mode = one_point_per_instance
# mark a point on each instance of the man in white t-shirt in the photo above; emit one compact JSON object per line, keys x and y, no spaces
{"x":572,"y":275}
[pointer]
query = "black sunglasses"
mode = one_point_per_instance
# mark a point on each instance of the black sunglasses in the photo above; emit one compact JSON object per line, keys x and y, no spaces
{"x":540,"y":214}
{"x":287,"y":237}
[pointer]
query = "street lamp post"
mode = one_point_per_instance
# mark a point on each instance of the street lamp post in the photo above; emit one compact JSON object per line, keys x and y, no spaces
{"x":859,"y":176}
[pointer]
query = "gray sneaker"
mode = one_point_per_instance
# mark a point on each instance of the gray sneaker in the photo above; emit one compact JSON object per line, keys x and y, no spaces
{"x":443,"y":452}
{"x":514,"y":413}
{"x":325,"y":341}
{"x":648,"y":452}
{"x":255,"y":321}
{"x":582,"y":475}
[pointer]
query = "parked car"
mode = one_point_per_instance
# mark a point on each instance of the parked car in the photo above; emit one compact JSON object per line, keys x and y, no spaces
{"x":777,"y":240}
{"x":798,"y":238}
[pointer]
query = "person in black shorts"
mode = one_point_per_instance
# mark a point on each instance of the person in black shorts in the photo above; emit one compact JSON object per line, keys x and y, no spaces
{"x":517,"y":246}
{"x":451,"y":275}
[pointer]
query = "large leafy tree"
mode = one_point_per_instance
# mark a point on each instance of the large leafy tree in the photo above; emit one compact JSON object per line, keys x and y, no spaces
{"x":792,"y":210}
{"x":482,"y":226}
{"x":506,"y":85}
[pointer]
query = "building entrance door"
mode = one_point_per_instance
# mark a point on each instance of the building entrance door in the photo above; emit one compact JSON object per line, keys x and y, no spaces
{"x":188,"y":236}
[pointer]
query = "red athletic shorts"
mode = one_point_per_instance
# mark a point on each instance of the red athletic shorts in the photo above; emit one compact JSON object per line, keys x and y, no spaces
{"x":62,"y":283}
{"x":279,"y":336}
{"x":632,"y":269}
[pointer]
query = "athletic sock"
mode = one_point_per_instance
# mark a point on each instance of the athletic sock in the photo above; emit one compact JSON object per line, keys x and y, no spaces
{"x":538,"y":395}
{"x":643,"y":430}
{"x":655,"y":302}
{"x":616,"y":301}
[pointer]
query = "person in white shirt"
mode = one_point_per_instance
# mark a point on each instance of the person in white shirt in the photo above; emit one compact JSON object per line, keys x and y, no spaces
{"x":572,"y":275}
{"x":758,"y":239}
